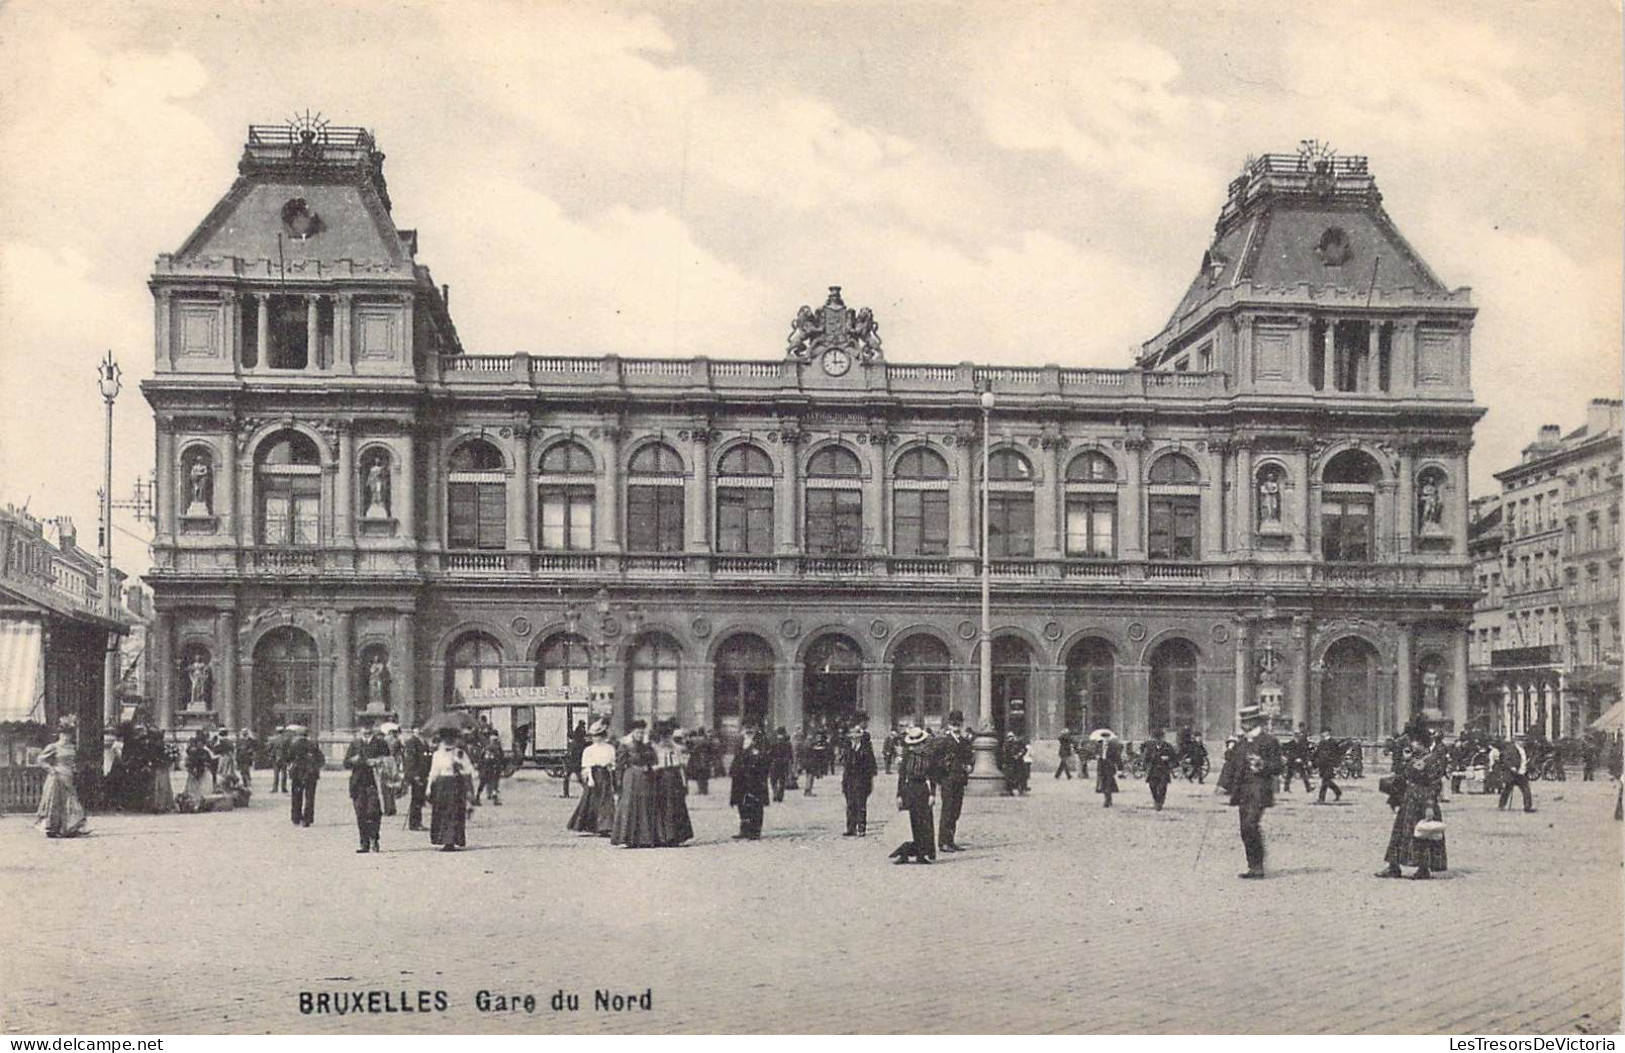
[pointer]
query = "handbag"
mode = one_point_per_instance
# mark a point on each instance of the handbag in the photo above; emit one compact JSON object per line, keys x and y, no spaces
{"x":1389,"y":785}
{"x":1429,"y":830}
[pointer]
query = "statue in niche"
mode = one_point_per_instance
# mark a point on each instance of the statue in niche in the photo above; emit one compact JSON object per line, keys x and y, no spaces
{"x":1269,"y":499}
{"x":377,"y":683}
{"x":1430,"y":504}
{"x":377,"y":489}
{"x":200,"y":488}
{"x":1430,"y":690}
{"x":198,"y":675}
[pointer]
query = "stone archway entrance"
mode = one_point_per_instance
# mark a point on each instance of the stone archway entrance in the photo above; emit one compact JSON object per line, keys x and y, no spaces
{"x":1012,"y":685}
{"x":1348,"y":699}
{"x":742,"y":684}
{"x":287,"y":684}
{"x":830,"y":682}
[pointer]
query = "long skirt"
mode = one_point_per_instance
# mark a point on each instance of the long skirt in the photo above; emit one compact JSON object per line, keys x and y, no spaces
{"x":200,"y":785}
{"x":1403,"y":847}
{"x":1106,"y":779}
{"x":672,"y":825}
{"x":448,"y":818}
{"x":60,"y":812}
{"x":163,"y":792}
{"x":595,"y":813}
{"x":635,"y":823}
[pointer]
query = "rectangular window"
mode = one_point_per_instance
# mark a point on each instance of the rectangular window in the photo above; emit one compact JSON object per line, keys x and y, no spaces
{"x":1010,"y":525}
{"x":745,"y":520}
{"x":654,"y":518}
{"x":1346,"y":528}
{"x":834,"y":522}
{"x":566,"y":516}
{"x":1172,"y":526}
{"x":920,"y":523}
{"x":290,"y":511}
{"x":1091,"y":521}
{"x":654,"y":693}
{"x":478,"y":515}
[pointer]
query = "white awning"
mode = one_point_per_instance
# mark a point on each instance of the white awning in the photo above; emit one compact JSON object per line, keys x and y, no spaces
{"x":22,"y":670}
{"x":1611,"y":720}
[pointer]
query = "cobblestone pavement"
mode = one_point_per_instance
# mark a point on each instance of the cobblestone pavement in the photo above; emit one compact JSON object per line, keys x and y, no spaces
{"x":1062,"y":917}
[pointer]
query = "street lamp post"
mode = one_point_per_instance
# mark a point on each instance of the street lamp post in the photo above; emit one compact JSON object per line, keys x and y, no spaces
{"x":985,"y":778}
{"x":108,"y":380}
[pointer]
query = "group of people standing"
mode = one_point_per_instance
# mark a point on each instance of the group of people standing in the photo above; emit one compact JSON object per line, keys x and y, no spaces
{"x":635,"y":792}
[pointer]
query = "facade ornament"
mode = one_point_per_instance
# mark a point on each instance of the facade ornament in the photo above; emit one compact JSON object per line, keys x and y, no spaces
{"x":1269,"y":495}
{"x":1052,"y":630}
{"x":879,"y":629}
{"x":967,"y":630}
{"x":790,"y":628}
{"x":376,"y":485}
{"x":1136,"y":631}
{"x":199,"y":485}
{"x":700,"y":627}
{"x":377,"y":683}
{"x":834,"y":327}
{"x":520,"y":625}
{"x":702,"y":435}
{"x":1430,"y":500}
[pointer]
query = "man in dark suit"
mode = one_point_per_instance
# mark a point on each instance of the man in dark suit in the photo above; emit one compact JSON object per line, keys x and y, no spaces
{"x":1160,"y":758}
{"x":281,"y":749}
{"x":1327,"y":755}
{"x":857,"y":782}
{"x":1064,"y":765}
{"x":780,"y":759}
{"x":749,"y":791}
{"x":305,"y":762}
{"x":1249,"y":777}
{"x":951,"y":763}
{"x":1515,"y":761}
{"x":418,"y":755}
{"x":916,"y":791}
{"x":1296,"y":754}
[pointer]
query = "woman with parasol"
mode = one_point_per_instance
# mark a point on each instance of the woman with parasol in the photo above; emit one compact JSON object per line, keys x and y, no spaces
{"x":1110,"y":760}
{"x":596,"y":812}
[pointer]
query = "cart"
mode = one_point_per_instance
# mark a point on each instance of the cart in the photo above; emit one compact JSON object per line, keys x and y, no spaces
{"x":534,"y":723}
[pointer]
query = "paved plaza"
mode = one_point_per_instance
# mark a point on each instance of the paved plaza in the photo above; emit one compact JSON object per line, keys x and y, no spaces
{"x":1062,"y":917}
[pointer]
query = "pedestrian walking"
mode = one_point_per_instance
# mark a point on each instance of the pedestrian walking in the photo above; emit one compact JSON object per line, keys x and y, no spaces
{"x":916,"y":793}
{"x":700,"y":745}
{"x":596,"y":812}
{"x":1108,"y":761}
{"x":1417,"y":837}
{"x":247,"y":752}
{"x":281,"y":753}
{"x":673,"y":826}
{"x":1295,"y":754}
{"x":857,"y":782}
{"x":1515,"y":760}
{"x":1064,"y":751}
{"x":749,"y":791}
{"x":635,"y":807}
{"x":305,"y":763}
{"x":888,"y":749}
{"x":451,"y":780}
{"x":60,"y":813}
{"x":1327,"y":755}
{"x":490,"y":764}
{"x":951,"y":765}
{"x":359,"y":758}
{"x":780,"y":761}
{"x":416,"y":757}
{"x":391,"y":770}
{"x":1160,"y":758}
{"x":1250,"y":770}
{"x":579,"y":738}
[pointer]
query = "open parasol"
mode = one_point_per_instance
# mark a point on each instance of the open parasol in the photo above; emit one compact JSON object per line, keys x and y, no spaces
{"x":456,"y":719}
{"x":1102,"y":735}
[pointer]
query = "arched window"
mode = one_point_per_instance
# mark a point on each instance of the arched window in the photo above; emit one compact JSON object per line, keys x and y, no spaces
{"x":475,"y":661}
{"x":834,"y":517}
{"x":745,"y":501}
{"x":1348,"y":507}
{"x":565,"y":496}
{"x":919,"y":680}
{"x":1091,"y":668}
{"x":652,"y":678}
{"x":1009,"y":505}
{"x":288,"y":474}
{"x":477,"y":497}
{"x":563,"y":661}
{"x":920,"y":504}
{"x":742,"y":682}
{"x":1174,"y":700}
{"x":654,"y":500}
{"x":1091,"y":506}
{"x":1174,"y":509}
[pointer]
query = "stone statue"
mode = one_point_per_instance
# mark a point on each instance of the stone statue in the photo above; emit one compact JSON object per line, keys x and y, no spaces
{"x":1269,"y":498}
{"x":377,"y":679}
{"x":1430,"y":690}
{"x":1429,"y":505}
{"x":377,"y":491}
{"x":200,"y":478}
{"x":198,"y":675}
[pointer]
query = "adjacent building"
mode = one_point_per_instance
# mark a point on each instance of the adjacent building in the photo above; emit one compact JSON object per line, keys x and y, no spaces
{"x":358,"y":516}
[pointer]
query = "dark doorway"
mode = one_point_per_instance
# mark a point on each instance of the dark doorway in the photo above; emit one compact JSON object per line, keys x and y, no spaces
{"x":285,"y":681}
{"x":829,"y":683}
{"x":742,"y":684}
{"x":1174,"y":702}
{"x":1012,"y":685}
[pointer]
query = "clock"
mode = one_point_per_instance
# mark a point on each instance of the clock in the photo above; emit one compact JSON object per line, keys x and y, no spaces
{"x":837,"y":361}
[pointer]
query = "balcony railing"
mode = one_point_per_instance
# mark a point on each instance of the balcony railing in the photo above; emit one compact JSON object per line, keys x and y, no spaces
{"x":475,"y":562}
{"x":922,"y":568}
{"x":753,"y":565}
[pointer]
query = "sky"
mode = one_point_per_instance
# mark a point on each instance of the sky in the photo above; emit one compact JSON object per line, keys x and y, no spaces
{"x":1003,"y":182}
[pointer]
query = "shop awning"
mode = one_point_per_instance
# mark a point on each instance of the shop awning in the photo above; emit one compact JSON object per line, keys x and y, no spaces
{"x":1611,"y":720}
{"x":22,"y":670}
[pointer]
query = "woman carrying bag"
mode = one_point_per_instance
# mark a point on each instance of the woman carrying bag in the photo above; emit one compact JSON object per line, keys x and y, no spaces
{"x":1417,"y":838}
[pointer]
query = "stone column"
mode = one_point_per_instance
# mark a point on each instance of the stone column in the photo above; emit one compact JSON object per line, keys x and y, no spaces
{"x":1047,"y":503}
{"x":344,"y":360}
{"x":519,"y":484}
{"x":699,"y":497}
{"x":225,"y":488}
{"x":1404,"y":670}
{"x":344,"y":485}
{"x":1300,"y":686}
{"x":1046,"y":712}
{"x":1131,"y":541}
{"x":1458,"y":678}
{"x":165,"y":348}
{"x":1458,"y":498}
{"x":405,"y":495}
{"x":1506,"y":708}
{"x":876,"y":538}
{"x":609,"y":493}
{"x":788,"y":688}
{"x":962,"y":504}
{"x":163,"y":660}
{"x":1402,"y":352}
{"x":166,"y":496}
{"x":343,"y":673}
{"x":1303,"y":529}
{"x":1244,"y":498}
{"x":435,"y":499}
{"x":1213,"y":506}
{"x":1404,"y":512}
{"x":225,"y":638}
{"x":404,"y":669}
{"x":262,"y":330}
{"x":787,"y":499}
{"x":232,"y":323}
{"x":875,"y":697}
{"x":313,"y":332}
{"x":1244,"y":634}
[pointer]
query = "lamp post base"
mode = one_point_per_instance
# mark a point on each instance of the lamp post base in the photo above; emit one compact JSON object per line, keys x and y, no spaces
{"x":986,"y":780}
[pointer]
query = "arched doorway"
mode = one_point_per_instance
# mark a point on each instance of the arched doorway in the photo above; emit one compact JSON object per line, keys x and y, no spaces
{"x":1174,"y":689}
{"x":1012,"y":683}
{"x":286,"y":685}
{"x":829,"y":681}
{"x":742,"y":683}
{"x":919,"y":680}
{"x":1091,"y":669}
{"x":1348,"y":699}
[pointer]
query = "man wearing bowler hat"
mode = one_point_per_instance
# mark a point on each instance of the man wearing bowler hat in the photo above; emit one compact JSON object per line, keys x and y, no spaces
{"x":1249,"y":777}
{"x":951,"y":761}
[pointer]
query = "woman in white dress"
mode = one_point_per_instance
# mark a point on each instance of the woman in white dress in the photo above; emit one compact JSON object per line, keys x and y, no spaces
{"x":60,"y":812}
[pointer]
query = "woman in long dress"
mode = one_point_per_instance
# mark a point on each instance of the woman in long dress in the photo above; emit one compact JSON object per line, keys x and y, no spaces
{"x":199,"y":768}
{"x":1421,"y":769}
{"x":60,"y":812}
{"x":672,"y":824}
{"x":162,"y":762}
{"x":596,"y":812}
{"x":635,"y":808}
{"x":450,"y":772}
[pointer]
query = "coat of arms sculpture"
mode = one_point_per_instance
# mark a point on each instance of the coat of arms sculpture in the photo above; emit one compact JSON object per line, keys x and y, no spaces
{"x":834,"y":326}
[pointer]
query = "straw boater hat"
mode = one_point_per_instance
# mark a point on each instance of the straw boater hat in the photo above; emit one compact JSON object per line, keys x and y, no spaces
{"x":599,"y":727}
{"x":914,"y":736}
